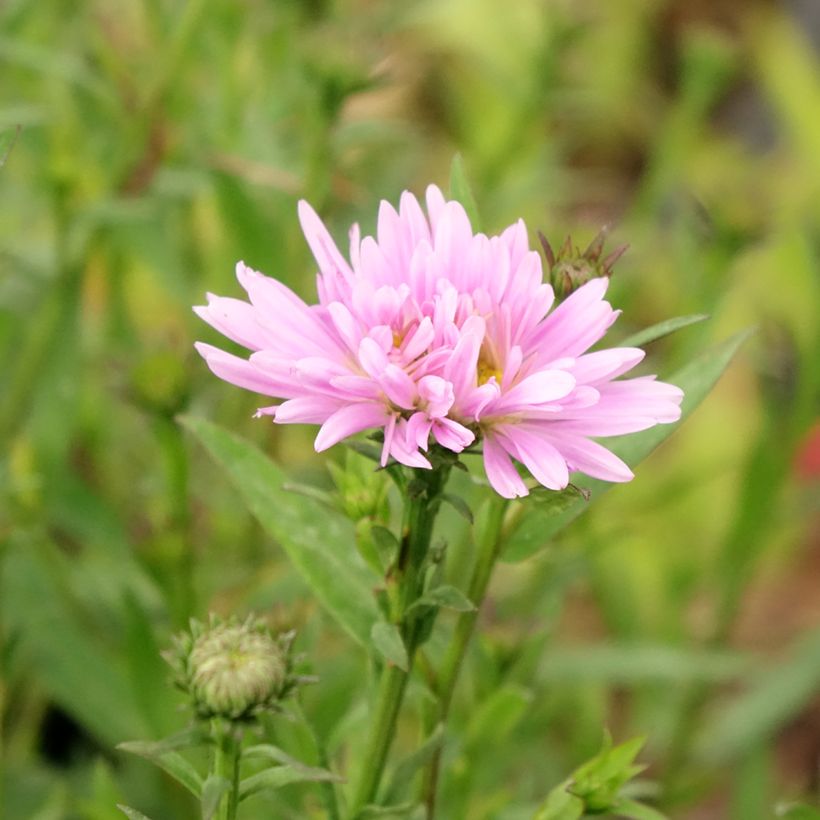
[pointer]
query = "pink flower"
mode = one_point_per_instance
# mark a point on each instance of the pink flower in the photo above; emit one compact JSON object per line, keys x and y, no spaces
{"x":432,"y":333}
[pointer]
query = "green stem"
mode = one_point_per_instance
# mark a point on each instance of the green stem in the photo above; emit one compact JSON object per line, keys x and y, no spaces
{"x":226,"y":765}
{"x":489,"y":544}
{"x":422,"y":504}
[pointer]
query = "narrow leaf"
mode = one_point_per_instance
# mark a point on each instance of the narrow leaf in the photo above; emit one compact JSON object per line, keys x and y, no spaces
{"x":280,"y":776}
{"x":446,"y":596}
{"x":658,"y":331}
{"x":459,"y":505}
{"x":636,"y":811}
{"x":186,"y":739}
{"x":461,"y":191}
{"x":384,"y":539}
{"x":212,"y":790}
{"x":132,"y":814}
{"x":7,"y":141}
{"x":175,"y":765}
{"x":401,"y":811}
{"x":319,"y":545}
{"x":696,"y":379}
{"x":407,"y":768}
{"x":387,"y":640}
{"x":774,"y":698}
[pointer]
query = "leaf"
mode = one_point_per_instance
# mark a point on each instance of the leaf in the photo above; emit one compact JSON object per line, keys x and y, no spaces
{"x":280,"y":776}
{"x":319,"y":545}
{"x":407,"y":768}
{"x":561,"y":805}
{"x":638,"y":663}
{"x":636,"y":811}
{"x":528,"y":535}
{"x":405,"y":811}
{"x":446,"y":596}
{"x":212,"y":790}
{"x":74,"y":666}
{"x":696,"y":379}
{"x":132,"y":814}
{"x":186,"y":739}
{"x":459,"y":505}
{"x":171,"y":762}
{"x":775,"y":696}
{"x":798,"y":811}
{"x":385,"y":540}
{"x":7,"y":141}
{"x":387,"y":640}
{"x":658,"y":331}
{"x":461,"y":191}
{"x":496,"y":716}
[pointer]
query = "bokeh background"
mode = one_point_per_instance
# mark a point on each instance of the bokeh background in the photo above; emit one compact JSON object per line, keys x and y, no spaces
{"x":162,"y":141}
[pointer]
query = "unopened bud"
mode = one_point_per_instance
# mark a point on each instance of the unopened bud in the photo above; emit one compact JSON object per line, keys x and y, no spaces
{"x":570,"y":267}
{"x":232,"y":669}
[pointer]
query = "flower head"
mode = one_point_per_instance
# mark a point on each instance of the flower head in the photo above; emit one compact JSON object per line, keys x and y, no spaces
{"x":232,"y":669}
{"x":437,"y":335}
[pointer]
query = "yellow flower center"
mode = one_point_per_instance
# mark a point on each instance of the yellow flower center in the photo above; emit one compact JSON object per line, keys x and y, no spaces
{"x":487,"y":369}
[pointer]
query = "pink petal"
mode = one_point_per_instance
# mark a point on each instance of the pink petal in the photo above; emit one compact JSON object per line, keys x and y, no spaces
{"x":539,"y":388}
{"x":501,"y":473}
{"x":452,"y":435}
{"x":591,"y":458}
{"x":546,"y":464}
{"x":239,"y":371}
{"x":347,"y":421}
{"x":321,"y":244}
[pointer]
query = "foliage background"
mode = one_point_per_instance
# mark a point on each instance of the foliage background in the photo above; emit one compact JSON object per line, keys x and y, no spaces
{"x":161,"y":141}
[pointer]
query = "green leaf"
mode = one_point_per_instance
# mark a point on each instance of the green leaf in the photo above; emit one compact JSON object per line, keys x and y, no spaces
{"x":402,"y":811}
{"x":561,"y":805}
{"x":658,"y":331}
{"x":639,"y":663}
{"x":212,"y":790}
{"x":186,"y":739}
{"x":446,"y":596}
{"x":636,"y":811}
{"x":461,"y":191}
{"x":407,"y":768}
{"x":459,"y":505}
{"x":696,"y":379}
{"x":541,"y":507}
{"x":73,"y":663}
{"x":132,"y":814}
{"x":385,"y":540}
{"x":319,"y":545}
{"x":280,"y":776}
{"x":798,"y":811}
{"x":7,"y":141}
{"x":387,"y":640}
{"x":171,"y":762}
{"x":774,"y":697}
{"x":497,"y":716}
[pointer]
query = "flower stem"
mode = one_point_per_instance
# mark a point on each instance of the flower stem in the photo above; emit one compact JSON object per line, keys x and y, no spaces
{"x":489,"y":544}
{"x":422,"y":503}
{"x":226,"y":765}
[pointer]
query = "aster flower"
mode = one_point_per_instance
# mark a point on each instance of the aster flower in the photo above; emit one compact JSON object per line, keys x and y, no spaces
{"x":436,"y":335}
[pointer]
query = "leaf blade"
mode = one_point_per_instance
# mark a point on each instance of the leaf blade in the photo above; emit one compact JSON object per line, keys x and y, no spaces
{"x":320,"y":546}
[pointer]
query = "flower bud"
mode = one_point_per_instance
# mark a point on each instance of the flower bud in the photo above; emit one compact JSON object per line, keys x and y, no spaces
{"x":570,"y":268}
{"x":232,"y":669}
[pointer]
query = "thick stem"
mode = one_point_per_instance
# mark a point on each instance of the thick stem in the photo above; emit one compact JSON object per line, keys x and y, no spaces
{"x":489,"y":544}
{"x":226,"y":765}
{"x":423,"y":501}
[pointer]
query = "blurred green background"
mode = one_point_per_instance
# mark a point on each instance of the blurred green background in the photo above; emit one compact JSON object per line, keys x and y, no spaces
{"x":162,"y":141}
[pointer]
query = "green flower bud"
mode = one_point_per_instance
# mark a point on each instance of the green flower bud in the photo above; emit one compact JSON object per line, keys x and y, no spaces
{"x":570,"y":268}
{"x":232,"y":669}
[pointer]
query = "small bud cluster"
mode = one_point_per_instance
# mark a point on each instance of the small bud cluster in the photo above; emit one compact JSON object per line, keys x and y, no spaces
{"x":233,"y":669}
{"x":570,"y":268}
